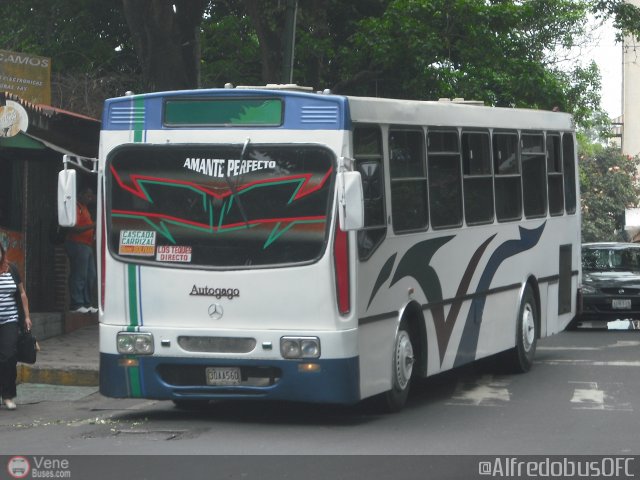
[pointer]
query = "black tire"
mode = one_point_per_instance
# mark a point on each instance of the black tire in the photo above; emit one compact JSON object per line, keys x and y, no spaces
{"x":402,"y":360}
{"x":521,"y":356}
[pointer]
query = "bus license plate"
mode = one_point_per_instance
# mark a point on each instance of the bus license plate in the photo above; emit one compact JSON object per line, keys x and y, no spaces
{"x":621,"y":303}
{"x":223,"y":375}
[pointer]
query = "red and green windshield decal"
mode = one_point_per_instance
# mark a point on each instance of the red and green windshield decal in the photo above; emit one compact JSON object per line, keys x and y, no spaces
{"x":264,"y":206}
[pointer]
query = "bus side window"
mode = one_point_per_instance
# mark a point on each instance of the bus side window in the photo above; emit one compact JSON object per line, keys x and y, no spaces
{"x":478,"y":181}
{"x":507,"y":176}
{"x":568,"y":161}
{"x":554,"y":174}
{"x":445,"y":178}
{"x":408,"y":180}
{"x":367,"y":151}
{"x":534,"y":177}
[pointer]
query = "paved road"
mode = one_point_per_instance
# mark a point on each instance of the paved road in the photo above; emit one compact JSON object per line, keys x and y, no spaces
{"x":581,"y":397}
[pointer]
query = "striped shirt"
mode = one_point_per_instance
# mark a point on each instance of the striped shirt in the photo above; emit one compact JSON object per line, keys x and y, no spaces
{"x":8,"y":305}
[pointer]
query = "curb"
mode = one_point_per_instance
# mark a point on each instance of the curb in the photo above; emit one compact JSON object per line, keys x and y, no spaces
{"x":70,"y":376}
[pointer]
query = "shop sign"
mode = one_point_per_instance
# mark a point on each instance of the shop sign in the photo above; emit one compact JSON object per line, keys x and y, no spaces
{"x":25,"y":75}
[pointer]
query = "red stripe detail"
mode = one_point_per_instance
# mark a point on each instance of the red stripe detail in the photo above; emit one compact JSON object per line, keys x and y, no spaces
{"x":341,"y":259}
{"x":139,"y":192}
{"x":162,"y":216}
{"x":103,"y":257}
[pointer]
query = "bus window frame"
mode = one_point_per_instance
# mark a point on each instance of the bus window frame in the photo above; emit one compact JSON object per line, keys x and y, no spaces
{"x":378,"y":158}
{"x":409,"y":179}
{"x":569,"y":160}
{"x":470,"y":176}
{"x":555,"y":173}
{"x":442,"y":154}
{"x":497,"y":176}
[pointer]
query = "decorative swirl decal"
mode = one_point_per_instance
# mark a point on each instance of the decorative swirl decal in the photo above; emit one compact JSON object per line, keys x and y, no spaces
{"x":383,"y":276}
{"x":469,"y":341}
{"x":412,"y":264}
{"x":415,"y":263}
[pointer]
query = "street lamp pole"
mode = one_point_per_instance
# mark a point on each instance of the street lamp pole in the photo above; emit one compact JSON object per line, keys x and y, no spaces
{"x":289,"y":41}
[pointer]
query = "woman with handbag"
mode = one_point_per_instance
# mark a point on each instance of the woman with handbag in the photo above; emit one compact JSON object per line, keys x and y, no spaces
{"x":14,"y":314}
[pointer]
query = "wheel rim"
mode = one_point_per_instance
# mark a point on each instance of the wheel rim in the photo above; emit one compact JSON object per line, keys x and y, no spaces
{"x":404,"y":359}
{"x":528,"y":327}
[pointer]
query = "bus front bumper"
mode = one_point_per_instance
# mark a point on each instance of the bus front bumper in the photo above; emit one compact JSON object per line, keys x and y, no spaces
{"x":181,"y":378}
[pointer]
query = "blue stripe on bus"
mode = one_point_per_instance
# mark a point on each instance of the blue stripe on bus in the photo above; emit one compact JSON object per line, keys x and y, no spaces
{"x":302,"y":111}
{"x":337,"y":382}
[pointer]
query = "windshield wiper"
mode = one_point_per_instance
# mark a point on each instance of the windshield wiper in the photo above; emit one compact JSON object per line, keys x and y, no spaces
{"x":234,"y":190}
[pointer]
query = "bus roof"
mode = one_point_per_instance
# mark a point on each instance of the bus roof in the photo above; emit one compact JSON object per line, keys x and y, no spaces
{"x":360,"y":110}
{"x":439,"y":113}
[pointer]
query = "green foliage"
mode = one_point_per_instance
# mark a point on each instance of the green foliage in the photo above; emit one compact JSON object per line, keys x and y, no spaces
{"x":626,"y":17}
{"x":230,"y":49}
{"x":609,"y":185}
{"x":87,"y":40}
{"x":498,"y":51}
{"x":79,"y":35}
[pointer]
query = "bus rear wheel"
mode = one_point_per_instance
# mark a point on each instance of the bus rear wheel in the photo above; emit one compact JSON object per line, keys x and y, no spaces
{"x":402,"y":370}
{"x":521,"y":356}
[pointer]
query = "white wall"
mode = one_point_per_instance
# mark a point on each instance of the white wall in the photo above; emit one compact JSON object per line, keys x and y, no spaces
{"x":631,"y":94}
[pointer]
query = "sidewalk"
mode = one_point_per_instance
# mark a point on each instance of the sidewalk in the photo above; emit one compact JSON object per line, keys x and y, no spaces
{"x":71,"y":359}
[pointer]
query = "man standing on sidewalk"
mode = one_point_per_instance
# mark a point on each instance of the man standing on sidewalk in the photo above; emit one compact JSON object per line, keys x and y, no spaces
{"x":79,"y":247}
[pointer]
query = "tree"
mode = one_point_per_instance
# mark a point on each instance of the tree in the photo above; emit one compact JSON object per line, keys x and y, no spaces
{"x":498,"y":51}
{"x":166,"y":38}
{"x":608,"y":185}
{"x":87,"y":40}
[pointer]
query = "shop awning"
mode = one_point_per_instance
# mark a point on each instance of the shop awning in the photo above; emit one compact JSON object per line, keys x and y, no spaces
{"x":54,"y":128}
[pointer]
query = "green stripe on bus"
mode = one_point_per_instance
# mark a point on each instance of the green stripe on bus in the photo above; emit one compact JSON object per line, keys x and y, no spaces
{"x":132,"y":295}
{"x":138,"y":123}
{"x":134,"y":381}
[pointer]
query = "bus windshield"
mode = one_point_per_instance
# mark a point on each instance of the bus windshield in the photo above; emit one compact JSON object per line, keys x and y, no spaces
{"x":227,"y":206}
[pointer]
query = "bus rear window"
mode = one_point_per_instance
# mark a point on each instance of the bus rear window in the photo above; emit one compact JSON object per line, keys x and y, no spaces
{"x":223,"y":111}
{"x":217,"y":206}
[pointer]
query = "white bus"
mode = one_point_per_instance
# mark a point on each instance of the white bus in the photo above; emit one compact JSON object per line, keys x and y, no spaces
{"x":264,"y":243}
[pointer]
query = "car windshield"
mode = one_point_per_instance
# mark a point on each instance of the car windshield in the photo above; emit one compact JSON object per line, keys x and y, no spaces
{"x":611,"y":259}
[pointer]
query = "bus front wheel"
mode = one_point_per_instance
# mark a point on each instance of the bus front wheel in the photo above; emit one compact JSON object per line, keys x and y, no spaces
{"x":402,"y":369}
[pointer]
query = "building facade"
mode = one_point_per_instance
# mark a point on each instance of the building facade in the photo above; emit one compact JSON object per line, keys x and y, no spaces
{"x":631,"y":93}
{"x":33,"y":139}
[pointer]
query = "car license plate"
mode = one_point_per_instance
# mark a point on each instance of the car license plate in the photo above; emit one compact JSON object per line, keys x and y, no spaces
{"x":621,"y":303}
{"x":223,"y":375}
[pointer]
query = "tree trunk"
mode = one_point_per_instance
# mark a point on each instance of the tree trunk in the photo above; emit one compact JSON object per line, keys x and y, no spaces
{"x":270,"y":37}
{"x":166,"y":39}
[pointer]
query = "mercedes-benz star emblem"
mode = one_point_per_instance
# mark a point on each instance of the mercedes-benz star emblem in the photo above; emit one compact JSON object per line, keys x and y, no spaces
{"x":621,"y":291}
{"x":216,"y":311}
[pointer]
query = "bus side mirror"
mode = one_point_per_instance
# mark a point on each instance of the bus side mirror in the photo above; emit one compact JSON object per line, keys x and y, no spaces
{"x":67,"y":198}
{"x":350,"y":201}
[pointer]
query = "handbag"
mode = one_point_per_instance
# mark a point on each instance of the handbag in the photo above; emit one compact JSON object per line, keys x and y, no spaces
{"x":27,"y":347}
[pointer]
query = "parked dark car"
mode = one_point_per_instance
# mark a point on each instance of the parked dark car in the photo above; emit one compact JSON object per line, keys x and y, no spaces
{"x":610,"y":284}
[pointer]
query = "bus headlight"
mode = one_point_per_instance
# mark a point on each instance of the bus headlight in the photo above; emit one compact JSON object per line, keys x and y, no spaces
{"x":135,"y":343}
{"x":300,"y":347}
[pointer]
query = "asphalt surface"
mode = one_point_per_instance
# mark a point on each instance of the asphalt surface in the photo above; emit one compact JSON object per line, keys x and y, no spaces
{"x":72,"y":360}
